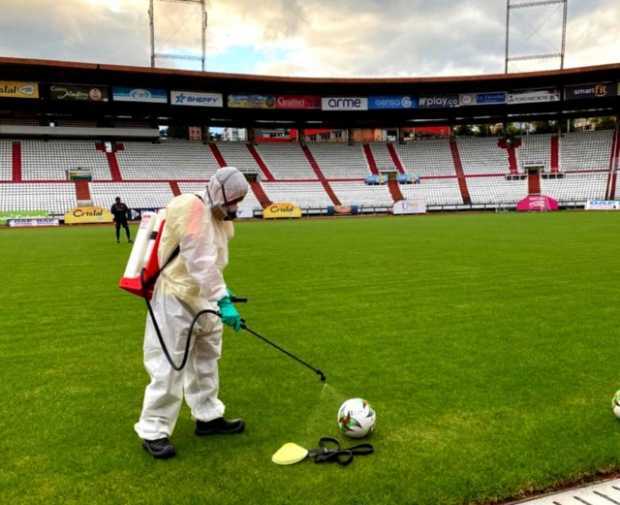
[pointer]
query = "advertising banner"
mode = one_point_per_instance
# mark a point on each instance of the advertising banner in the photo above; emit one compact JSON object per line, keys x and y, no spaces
{"x":19,"y":89}
{"x":251,"y":101}
{"x":344,"y":103}
{"x":22,"y":214}
{"x":298,"y":102}
{"x":33,"y":222}
{"x":145,"y":95}
{"x":282,"y":211}
{"x":409,"y":207}
{"x":392,"y":102}
{"x":84,"y":215}
{"x":438,"y":101}
{"x":533,"y":96}
{"x":79,"y":93}
{"x":600,"y":90}
{"x":196,"y":99}
{"x":603,"y":205}
{"x":493,"y":98}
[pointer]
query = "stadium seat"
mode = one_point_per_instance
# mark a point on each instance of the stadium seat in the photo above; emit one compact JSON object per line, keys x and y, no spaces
{"x":435,"y":192}
{"x":171,"y":160}
{"x":286,"y":161}
{"x":382,"y":156}
{"x":56,"y":198}
{"x":236,"y":154}
{"x":496,"y":190}
{"x":427,"y":157}
{"x":340,"y":161}
{"x":304,"y":194}
{"x":586,"y":151}
{"x":535,"y":149}
{"x":482,"y":156}
{"x":137,"y":195}
{"x":6,"y":160}
{"x":360,"y":193}
{"x":50,"y":160}
{"x":576,"y":188}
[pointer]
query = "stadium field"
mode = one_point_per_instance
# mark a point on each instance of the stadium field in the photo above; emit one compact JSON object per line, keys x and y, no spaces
{"x":487,"y":344}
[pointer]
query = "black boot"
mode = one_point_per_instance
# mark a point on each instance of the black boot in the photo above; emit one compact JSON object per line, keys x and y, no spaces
{"x":160,"y":448}
{"x":220,"y":426}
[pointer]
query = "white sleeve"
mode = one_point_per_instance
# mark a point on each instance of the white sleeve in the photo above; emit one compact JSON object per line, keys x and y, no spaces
{"x":199,"y":252}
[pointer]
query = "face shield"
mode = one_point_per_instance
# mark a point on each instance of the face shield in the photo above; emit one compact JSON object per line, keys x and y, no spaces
{"x":224,"y":192}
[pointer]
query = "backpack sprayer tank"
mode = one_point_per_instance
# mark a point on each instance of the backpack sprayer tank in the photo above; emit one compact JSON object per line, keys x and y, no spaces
{"x":142,"y":267}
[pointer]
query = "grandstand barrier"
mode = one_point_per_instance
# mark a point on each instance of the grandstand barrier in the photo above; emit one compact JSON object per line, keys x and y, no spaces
{"x":555,"y":154}
{"x":260,"y":162}
{"x":174,"y":187}
{"x":217,"y":154}
{"x":395,"y":158}
{"x":16,"y":161}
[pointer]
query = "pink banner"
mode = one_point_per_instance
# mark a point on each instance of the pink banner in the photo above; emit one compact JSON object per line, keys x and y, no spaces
{"x":298,"y":102}
{"x":537,"y":203}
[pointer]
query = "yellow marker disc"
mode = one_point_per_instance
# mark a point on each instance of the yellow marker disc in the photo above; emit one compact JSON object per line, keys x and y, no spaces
{"x":289,"y":454}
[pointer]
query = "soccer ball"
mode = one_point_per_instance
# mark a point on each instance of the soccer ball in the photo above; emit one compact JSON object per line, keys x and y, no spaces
{"x":615,"y":404}
{"x":356,"y":418}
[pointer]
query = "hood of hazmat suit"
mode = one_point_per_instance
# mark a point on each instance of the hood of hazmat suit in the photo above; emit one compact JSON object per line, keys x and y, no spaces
{"x":225,"y":190}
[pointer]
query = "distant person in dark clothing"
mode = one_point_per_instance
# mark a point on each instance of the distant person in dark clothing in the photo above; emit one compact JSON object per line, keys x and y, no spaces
{"x":120,"y":211}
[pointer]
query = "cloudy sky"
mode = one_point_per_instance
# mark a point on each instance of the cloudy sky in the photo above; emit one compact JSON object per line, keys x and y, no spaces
{"x":314,"y":37}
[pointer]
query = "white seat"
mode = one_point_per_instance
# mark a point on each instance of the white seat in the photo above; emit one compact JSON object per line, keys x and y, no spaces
{"x":55,"y":198}
{"x":249,"y":202}
{"x":434,"y":192}
{"x":359,"y":193}
{"x":586,"y":151}
{"x":137,"y":195}
{"x":493,"y":190}
{"x":427,"y":157}
{"x":303,"y":194}
{"x":482,"y":156}
{"x":535,"y":149}
{"x":6,"y":160}
{"x":286,"y":161}
{"x":340,"y":161}
{"x":50,"y":160}
{"x":576,"y":187}
{"x":170,"y":160}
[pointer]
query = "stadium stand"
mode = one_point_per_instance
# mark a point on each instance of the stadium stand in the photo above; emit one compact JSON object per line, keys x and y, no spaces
{"x":535,"y":149}
{"x":180,"y":162}
{"x":304,"y":194}
{"x":168,"y":160}
{"x":286,"y":161}
{"x":482,"y":156}
{"x":236,"y":154}
{"x":56,"y":198}
{"x":586,"y":151}
{"x":137,"y":195}
{"x":427,"y":157}
{"x":48,"y":160}
{"x":6,"y":160}
{"x":496,"y":190}
{"x":382,"y":156}
{"x":340,"y":161}
{"x":359,"y":193}
{"x":435,"y":192}
{"x":576,"y":187}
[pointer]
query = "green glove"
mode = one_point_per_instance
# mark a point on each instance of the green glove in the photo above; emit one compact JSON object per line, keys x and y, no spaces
{"x":230,"y":315}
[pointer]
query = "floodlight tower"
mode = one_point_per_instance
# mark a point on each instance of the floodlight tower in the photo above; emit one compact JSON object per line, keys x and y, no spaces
{"x":512,"y":5}
{"x":173,"y":55}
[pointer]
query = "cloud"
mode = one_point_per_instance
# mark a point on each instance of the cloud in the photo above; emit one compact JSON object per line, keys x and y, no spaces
{"x":311,"y":37}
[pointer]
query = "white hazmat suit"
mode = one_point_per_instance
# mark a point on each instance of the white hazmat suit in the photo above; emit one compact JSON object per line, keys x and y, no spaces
{"x":193,"y":281}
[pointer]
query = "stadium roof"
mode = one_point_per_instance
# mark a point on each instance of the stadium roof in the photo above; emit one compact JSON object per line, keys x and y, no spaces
{"x":49,"y":71}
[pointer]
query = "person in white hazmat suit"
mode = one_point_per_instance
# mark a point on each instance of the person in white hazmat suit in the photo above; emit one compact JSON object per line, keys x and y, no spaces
{"x":193,"y":281}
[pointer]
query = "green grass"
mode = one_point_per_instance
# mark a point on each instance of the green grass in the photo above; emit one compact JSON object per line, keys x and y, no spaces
{"x":487,"y":344}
